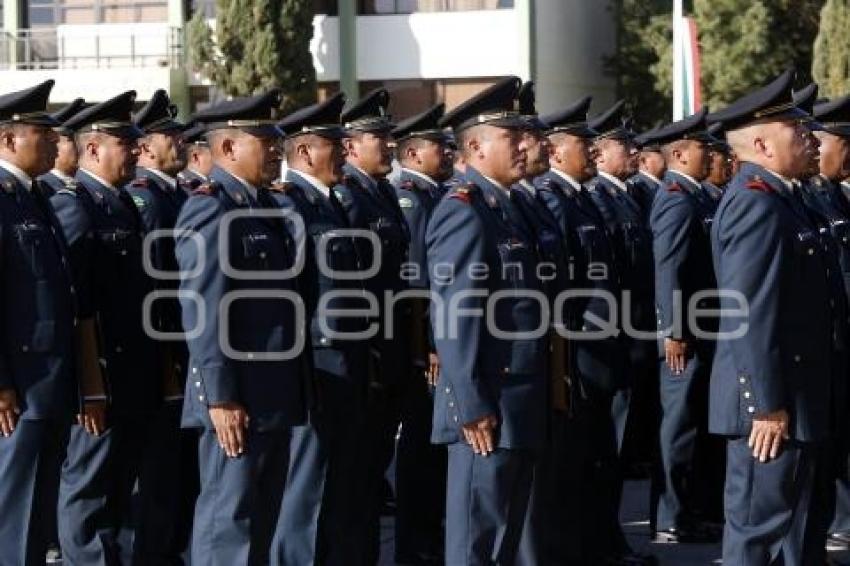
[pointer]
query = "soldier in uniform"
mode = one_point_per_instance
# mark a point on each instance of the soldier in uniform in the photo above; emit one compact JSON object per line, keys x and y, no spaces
{"x":582,"y":467}
{"x":197,"y":156}
{"x":108,"y":444}
{"x":490,"y":404}
{"x":771,"y":383}
{"x":720,"y":163}
{"x":829,"y":210}
{"x":680,"y":220}
{"x":616,"y":162}
{"x":247,"y":386}
{"x":65,"y":166}
{"x":38,"y":386}
{"x":322,"y":515}
{"x":170,"y":469}
{"x":651,"y":167}
{"x":539,"y":534}
{"x":370,"y":203}
{"x":426,"y":163}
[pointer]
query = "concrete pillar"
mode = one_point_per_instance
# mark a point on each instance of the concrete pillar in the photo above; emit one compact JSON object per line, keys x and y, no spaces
{"x":178,"y":87}
{"x":14,"y":20}
{"x":527,"y":55}
{"x":348,"y":49}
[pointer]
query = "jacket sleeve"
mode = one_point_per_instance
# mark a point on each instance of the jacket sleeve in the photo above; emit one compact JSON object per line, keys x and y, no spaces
{"x":671,"y":222}
{"x":750,"y":250}
{"x":455,"y":241}
{"x":201,"y":296}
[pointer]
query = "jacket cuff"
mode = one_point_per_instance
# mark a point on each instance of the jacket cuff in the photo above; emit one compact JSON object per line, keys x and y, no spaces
{"x":213,"y":385}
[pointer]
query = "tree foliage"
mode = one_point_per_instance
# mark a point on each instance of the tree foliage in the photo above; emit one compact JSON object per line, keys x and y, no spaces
{"x":831,"y":58}
{"x":257,"y":45}
{"x":743,"y":43}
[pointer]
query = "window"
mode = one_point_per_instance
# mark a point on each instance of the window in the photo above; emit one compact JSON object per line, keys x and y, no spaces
{"x":410,"y":6}
{"x":44,"y":13}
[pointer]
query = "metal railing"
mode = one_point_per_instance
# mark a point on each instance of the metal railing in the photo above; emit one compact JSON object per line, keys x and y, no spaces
{"x":64,"y":48}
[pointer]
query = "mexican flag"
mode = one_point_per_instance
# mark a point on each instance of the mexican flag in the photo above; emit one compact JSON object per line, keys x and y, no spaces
{"x":686,"y":66}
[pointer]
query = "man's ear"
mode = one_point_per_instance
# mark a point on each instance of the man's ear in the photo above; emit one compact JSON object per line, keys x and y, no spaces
{"x":7,"y":139}
{"x":227,"y":147}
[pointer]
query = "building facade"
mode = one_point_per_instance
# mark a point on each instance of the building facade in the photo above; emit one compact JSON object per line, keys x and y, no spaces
{"x":423,"y":51}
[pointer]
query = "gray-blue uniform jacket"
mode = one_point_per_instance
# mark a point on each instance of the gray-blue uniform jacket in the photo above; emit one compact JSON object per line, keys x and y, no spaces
{"x":417,"y":199}
{"x":598,"y":362}
{"x":51,"y":183}
{"x":38,"y":304}
{"x":475,"y":234}
{"x":322,"y":216}
{"x":373,"y":205}
{"x":632,"y":241}
{"x":767,"y":249}
{"x":681,"y":220}
{"x":274,"y":392}
{"x":104,"y":232}
{"x":643,"y":189}
{"x":159,"y":205}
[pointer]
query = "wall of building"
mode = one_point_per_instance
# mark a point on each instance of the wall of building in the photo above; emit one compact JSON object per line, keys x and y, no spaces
{"x":427,"y":45}
{"x":572,"y":38}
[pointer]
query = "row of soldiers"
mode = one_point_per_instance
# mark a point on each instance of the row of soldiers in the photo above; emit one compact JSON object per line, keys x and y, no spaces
{"x":216,"y":355}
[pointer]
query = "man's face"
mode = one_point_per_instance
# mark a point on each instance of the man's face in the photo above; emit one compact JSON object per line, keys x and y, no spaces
{"x":573,"y":155}
{"x":537,"y":160}
{"x":66,"y":155}
{"x":791,"y":148}
{"x":720,"y":169}
{"x":431,"y":158}
{"x":32,"y":148}
{"x":370,"y":151}
{"x":200,"y":159}
{"x":257,"y":158}
{"x":694,"y":159}
{"x":326,"y":157}
{"x":114,"y":157}
{"x":653,"y":163}
{"x":164,"y":151}
{"x":834,"y":156}
{"x":504,"y":153}
{"x":618,"y":158}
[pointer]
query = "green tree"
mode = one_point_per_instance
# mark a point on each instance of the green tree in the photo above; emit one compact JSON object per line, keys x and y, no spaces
{"x":257,"y":45}
{"x":743,"y":43}
{"x":831,"y":59}
{"x":640,"y":26}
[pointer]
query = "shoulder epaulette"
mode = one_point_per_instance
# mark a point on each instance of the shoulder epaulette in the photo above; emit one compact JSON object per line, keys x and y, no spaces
{"x":189,"y":184}
{"x":464,"y":193}
{"x":206,"y":189}
{"x":281,"y":187}
{"x":756,"y":183}
{"x":674,"y":187}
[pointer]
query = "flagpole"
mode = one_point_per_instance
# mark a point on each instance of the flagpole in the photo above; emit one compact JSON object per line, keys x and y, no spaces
{"x":678,"y":63}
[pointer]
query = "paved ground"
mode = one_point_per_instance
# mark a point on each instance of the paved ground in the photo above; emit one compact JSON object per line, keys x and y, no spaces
{"x":635,"y":518}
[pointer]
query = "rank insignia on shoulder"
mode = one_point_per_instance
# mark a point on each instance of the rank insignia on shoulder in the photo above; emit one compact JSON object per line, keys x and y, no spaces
{"x":758,"y":184}
{"x":405,"y":202}
{"x":464,"y":193}
{"x":280,"y":187}
{"x":206,"y":189}
{"x":674,"y":187}
{"x":139,"y":202}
